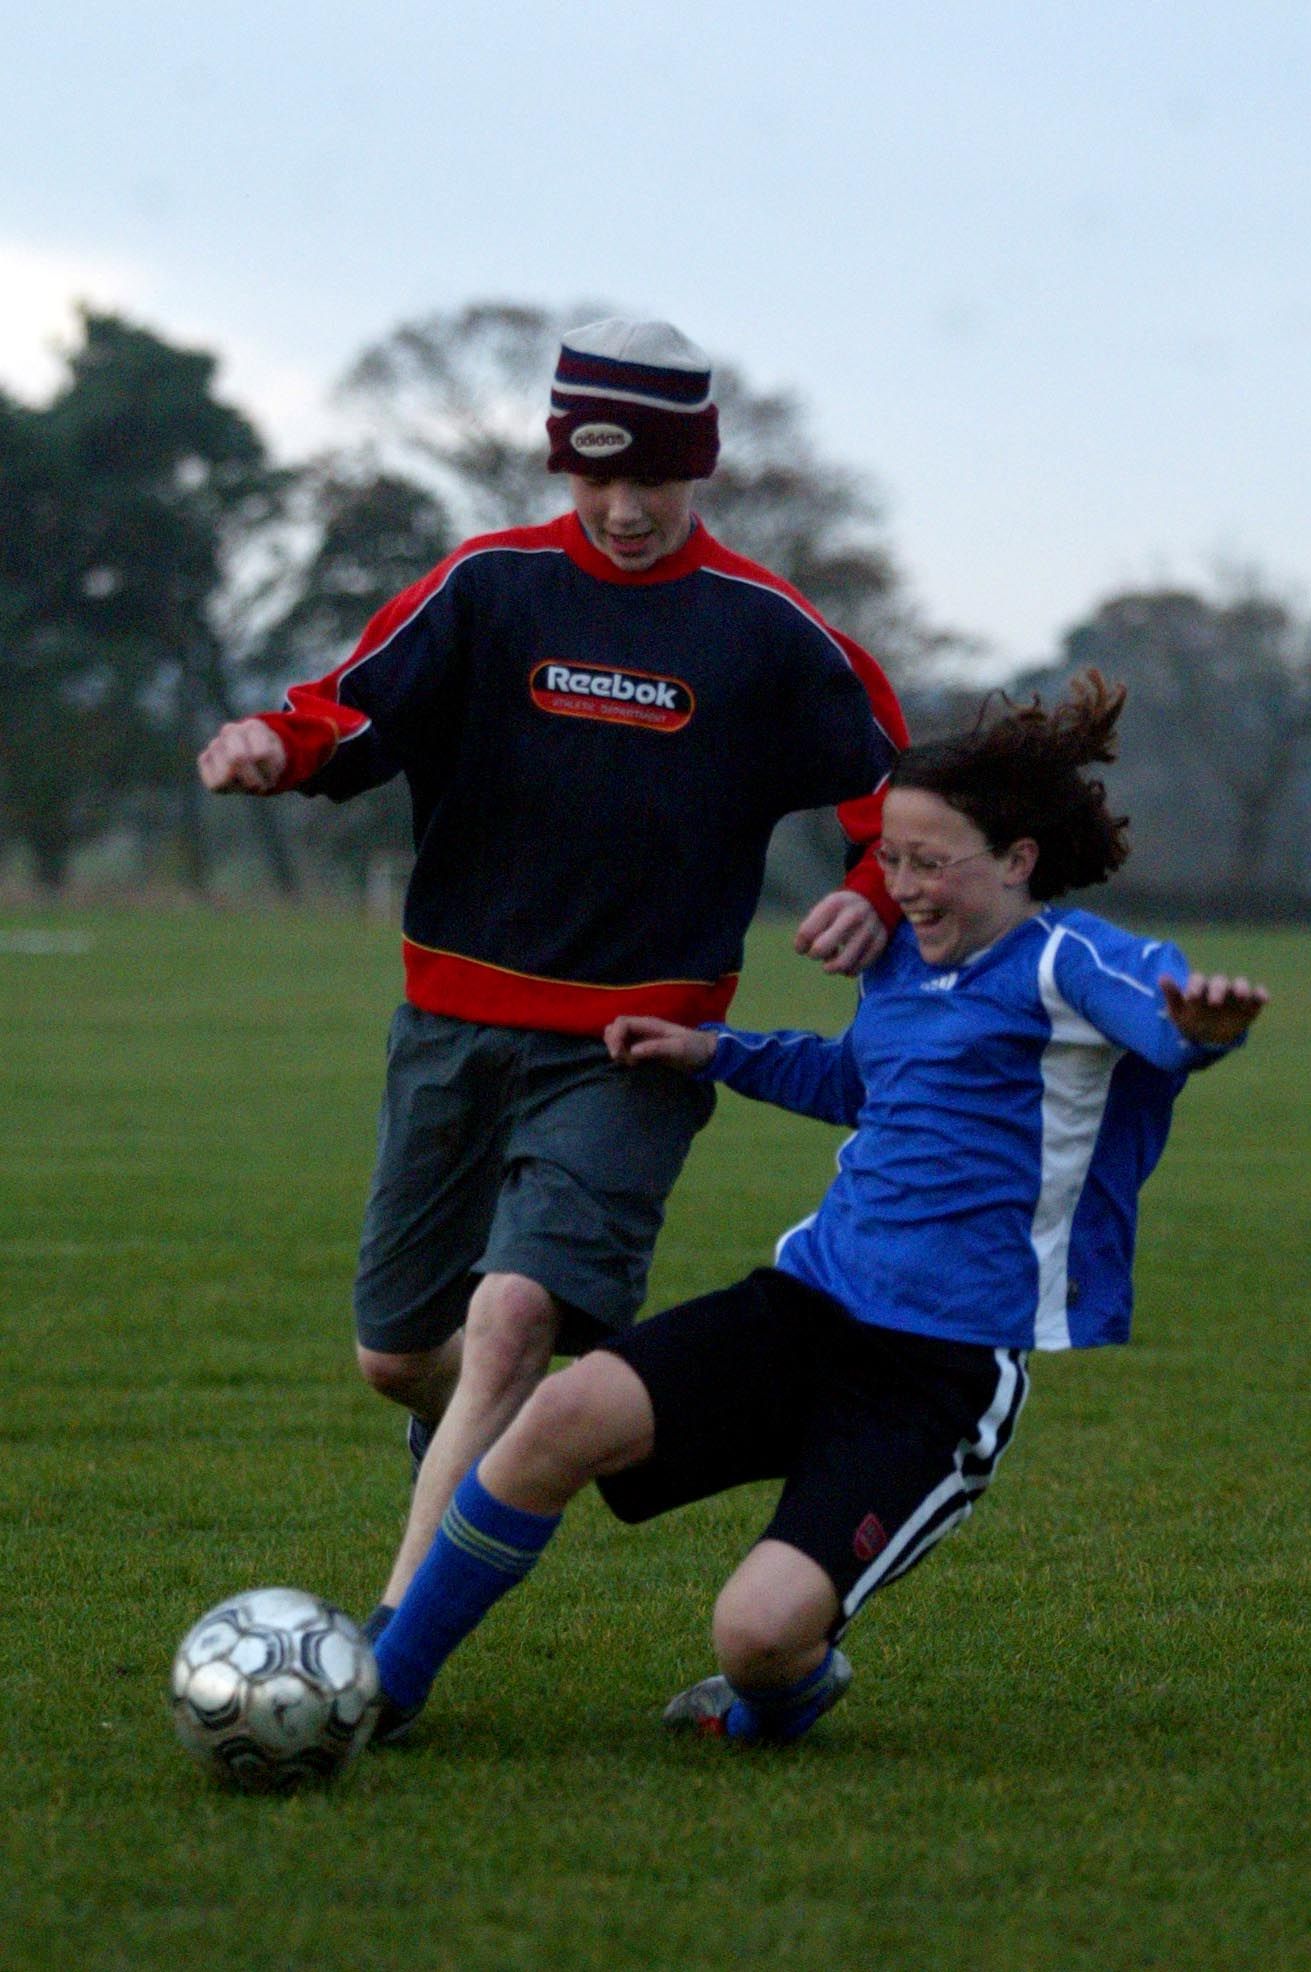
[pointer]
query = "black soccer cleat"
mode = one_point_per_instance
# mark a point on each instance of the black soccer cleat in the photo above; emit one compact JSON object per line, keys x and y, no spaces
{"x":393,"y":1722}
{"x":419,"y":1434}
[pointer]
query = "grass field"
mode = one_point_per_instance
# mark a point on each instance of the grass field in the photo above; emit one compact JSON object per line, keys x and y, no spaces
{"x":1079,"y":1736}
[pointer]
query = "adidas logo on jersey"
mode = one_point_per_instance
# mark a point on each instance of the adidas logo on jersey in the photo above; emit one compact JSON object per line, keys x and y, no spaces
{"x":943,"y":984}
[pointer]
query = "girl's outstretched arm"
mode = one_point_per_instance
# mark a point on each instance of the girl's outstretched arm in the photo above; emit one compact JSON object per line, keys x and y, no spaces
{"x":634,"y":1037}
{"x":1212,"y":1010}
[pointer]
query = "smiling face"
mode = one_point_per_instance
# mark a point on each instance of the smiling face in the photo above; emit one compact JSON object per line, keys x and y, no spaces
{"x":957,"y":895}
{"x":633,"y":523}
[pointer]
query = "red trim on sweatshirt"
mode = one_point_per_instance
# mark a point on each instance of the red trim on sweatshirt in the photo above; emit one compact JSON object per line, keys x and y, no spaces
{"x":443,"y":982}
{"x":574,"y":539}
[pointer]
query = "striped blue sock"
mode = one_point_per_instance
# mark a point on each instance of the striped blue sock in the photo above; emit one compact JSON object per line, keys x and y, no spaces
{"x":784,"y":1714}
{"x":481,"y":1549}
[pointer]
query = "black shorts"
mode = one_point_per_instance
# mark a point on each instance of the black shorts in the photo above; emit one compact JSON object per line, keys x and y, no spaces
{"x":883,"y":1439}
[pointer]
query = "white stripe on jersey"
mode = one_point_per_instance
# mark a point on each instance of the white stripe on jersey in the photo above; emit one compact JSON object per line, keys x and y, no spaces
{"x":1076,"y":1070}
{"x":952,"y":1501}
{"x":804,"y":1225}
{"x":1113,"y":972}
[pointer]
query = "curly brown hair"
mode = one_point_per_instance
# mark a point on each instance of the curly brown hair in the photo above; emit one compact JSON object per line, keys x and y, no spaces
{"x":1019,"y":773}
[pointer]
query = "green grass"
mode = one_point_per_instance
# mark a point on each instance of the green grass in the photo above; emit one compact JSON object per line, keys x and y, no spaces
{"x":1078,"y":1737}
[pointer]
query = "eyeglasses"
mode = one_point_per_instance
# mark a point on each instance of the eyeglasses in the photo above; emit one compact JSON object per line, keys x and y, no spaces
{"x":926,"y":867}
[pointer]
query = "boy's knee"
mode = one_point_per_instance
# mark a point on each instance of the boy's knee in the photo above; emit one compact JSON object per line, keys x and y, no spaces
{"x":392,"y":1376}
{"x":510,"y":1330}
{"x":420,"y":1380}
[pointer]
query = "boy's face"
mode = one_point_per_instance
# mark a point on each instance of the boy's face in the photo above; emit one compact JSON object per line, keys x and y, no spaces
{"x":633,"y":522}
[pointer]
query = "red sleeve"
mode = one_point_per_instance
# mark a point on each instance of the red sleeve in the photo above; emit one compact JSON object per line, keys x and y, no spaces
{"x":311,"y":728}
{"x":862,"y":819}
{"x":314,"y":722}
{"x":399,"y":659}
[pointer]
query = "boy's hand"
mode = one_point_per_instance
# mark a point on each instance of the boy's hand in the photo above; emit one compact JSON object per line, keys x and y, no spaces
{"x":843,"y":931}
{"x":244,"y":757}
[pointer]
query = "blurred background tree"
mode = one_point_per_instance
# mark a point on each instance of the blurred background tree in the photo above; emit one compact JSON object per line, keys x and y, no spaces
{"x":1216,"y":761}
{"x":159,"y":574}
{"x":125,"y":500}
{"x":1214,"y":768}
{"x":460,"y":399}
{"x":370,"y":533}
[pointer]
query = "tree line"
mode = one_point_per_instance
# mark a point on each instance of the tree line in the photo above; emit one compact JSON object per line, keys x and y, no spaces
{"x":160,"y":573}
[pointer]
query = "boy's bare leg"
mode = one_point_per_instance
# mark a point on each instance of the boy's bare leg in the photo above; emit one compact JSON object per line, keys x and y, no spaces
{"x":509,"y":1338}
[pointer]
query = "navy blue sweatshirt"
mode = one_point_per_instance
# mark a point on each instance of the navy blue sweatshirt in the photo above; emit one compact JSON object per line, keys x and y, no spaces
{"x":596,"y":760}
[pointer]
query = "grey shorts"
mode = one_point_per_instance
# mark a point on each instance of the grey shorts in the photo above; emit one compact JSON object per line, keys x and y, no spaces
{"x":507,"y":1151}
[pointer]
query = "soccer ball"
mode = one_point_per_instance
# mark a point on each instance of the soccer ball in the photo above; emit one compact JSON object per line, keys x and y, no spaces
{"x":273,"y":1688}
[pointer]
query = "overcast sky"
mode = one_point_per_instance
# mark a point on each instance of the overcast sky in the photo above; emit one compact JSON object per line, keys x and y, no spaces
{"x":1042,"y":270}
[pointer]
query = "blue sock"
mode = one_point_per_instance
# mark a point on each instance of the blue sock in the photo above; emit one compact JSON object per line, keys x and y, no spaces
{"x":782,"y":1714}
{"x":481,"y":1549}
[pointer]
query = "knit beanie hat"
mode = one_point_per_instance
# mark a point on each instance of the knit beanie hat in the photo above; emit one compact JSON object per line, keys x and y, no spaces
{"x":632,"y":400}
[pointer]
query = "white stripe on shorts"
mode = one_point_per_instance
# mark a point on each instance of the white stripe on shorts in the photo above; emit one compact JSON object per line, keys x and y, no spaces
{"x":950,"y":1501}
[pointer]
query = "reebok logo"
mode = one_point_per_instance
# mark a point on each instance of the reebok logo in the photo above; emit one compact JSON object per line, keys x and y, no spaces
{"x":620,"y":698}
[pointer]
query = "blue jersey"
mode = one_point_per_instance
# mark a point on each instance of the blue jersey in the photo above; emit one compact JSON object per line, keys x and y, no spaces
{"x":1006,"y":1114}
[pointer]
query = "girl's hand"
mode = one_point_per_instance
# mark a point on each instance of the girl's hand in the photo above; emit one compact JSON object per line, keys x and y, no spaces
{"x":1211,"y":1010}
{"x":636,"y":1037}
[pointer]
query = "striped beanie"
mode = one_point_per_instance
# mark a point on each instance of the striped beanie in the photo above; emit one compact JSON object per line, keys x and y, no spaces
{"x":632,"y":400}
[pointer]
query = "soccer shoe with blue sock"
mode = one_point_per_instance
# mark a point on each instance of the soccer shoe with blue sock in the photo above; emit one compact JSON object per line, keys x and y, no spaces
{"x":482,"y":1549}
{"x":718,"y":1709}
{"x":377,"y":1620}
{"x":701,"y":1708}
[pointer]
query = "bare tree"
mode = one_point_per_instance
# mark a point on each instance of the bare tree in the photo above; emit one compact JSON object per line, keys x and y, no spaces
{"x":460,"y":398}
{"x":1217,"y":733}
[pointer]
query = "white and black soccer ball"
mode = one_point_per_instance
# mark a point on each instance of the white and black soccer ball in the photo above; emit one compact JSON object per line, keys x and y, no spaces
{"x":273,"y":1688}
